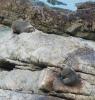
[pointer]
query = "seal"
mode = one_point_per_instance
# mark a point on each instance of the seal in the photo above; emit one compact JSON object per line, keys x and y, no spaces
{"x":20,"y":26}
{"x":69,"y":77}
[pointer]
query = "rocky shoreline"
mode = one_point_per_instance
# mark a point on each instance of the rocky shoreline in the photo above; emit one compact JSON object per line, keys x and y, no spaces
{"x":79,"y":23}
{"x":33,"y":62}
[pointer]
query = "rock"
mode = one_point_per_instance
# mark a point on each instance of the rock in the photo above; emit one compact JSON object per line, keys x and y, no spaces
{"x":50,"y":53}
{"x":87,"y":13}
{"x":31,"y":63}
{"x":17,"y":80}
{"x":51,"y":20}
{"x":40,"y":48}
{"x":75,"y":27}
{"x":6,"y":64}
{"x":43,"y":17}
{"x":36,"y":43}
{"x":12,"y":95}
{"x":87,"y":4}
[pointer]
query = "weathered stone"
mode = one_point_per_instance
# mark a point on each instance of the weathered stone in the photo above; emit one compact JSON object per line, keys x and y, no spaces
{"x":40,"y":49}
{"x":12,"y":95}
{"x":29,"y":46}
{"x":42,"y":17}
{"x":25,"y":80}
{"x":51,"y":20}
{"x":20,"y":80}
{"x":75,"y":27}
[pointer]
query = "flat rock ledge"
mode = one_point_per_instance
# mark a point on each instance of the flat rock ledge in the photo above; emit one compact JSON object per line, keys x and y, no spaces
{"x":31,"y":64}
{"x":12,"y":95}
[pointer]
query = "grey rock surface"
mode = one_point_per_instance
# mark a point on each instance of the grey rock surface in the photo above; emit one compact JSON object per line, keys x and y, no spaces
{"x":12,"y":95}
{"x":48,"y":55}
